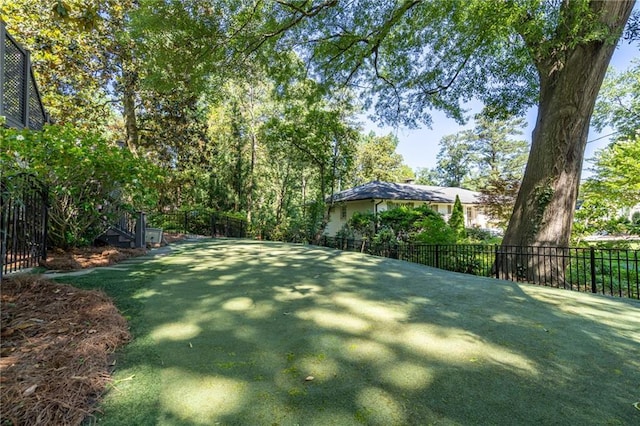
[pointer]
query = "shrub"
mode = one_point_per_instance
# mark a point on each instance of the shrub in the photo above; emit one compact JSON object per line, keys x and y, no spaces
{"x":456,"y":221}
{"x":88,"y":178}
{"x":434,"y":230}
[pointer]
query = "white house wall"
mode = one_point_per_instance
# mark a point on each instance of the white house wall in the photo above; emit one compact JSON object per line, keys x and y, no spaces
{"x":336,"y":219}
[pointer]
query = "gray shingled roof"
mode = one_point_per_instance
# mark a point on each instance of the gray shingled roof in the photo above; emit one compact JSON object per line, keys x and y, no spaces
{"x":404,"y":191}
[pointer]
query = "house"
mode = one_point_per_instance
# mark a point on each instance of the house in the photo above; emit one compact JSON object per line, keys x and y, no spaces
{"x":375,"y":197}
{"x":20,"y":101}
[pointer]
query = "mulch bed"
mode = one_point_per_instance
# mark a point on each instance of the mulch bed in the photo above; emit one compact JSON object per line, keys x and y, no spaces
{"x":91,"y":257}
{"x":56,"y":345}
{"x":57,"y":341}
{"x":87,"y":257}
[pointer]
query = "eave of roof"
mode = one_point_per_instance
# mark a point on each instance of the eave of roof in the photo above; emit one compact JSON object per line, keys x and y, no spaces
{"x":403,"y":191}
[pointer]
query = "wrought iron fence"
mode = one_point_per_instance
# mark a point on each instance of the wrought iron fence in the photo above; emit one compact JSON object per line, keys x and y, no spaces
{"x":199,"y":222}
{"x":614,"y":272}
{"x":23,"y":222}
{"x":20,"y":100}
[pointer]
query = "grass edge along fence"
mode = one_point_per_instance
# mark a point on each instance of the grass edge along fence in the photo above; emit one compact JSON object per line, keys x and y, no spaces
{"x":613,"y":272}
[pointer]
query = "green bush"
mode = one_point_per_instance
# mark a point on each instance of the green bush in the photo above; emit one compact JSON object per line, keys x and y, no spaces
{"x":88,"y":179}
{"x":432,"y":229}
{"x":456,"y":221}
{"x":481,"y":236}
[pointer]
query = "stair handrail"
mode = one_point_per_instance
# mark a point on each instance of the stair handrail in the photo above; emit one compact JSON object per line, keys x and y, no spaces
{"x":130,"y":222}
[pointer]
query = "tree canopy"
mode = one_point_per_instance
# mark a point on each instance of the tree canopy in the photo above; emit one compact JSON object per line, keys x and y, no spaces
{"x":614,"y":186}
{"x":377,"y":159}
{"x":251,"y":105}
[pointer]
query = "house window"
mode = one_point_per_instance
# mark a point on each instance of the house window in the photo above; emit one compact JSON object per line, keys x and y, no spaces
{"x":343,"y":212}
{"x":469,"y":216}
{"x":449,"y":209}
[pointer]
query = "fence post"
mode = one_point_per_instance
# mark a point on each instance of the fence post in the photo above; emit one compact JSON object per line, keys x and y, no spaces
{"x":592,"y":254}
{"x":438,"y":256}
{"x":141,"y":228}
{"x":496,"y":261}
{"x":45,"y":225}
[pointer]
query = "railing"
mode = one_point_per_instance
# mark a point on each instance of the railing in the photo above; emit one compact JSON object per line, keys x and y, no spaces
{"x":20,"y":100}
{"x":133,"y":224}
{"x":23,"y":222}
{"x":199,"y":222}
{"x":614,"y":272}
{"x":130,"y":224}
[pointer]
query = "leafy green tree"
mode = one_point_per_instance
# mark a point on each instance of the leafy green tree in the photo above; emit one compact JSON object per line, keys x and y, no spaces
{"x":416,"y":55}
{"x":616,"y":176}
{"x":471,"y":158}
{"x":618,"y":105}
{"x":456,"y":221}
{"x":377,"y":159}
{"x":402,"y":224}
{"x":88,"y":179}
{"x":488,"y":158}
{"x":615,"y":183}
{"x":501,"y":159}
{"x":499,"y":154}
{"x":614,"y":187}
{"x":455,"y":160}
{"x":75,"y":54}
{"x":360,"y":225}
{"x":426,"y":176}
{"x":422,"y":224}
{"x":432,"y":229}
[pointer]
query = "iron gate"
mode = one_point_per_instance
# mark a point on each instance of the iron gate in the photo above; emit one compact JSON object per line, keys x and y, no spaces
{"x":23,"y":222}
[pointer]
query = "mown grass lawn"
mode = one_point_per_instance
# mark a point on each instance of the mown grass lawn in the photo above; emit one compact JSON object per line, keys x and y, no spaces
{"x":252,"y":333}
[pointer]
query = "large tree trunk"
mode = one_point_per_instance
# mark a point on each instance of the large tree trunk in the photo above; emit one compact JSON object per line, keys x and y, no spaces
{"x":544,"y":208}
{"x":569,"y":85}
{"x":129,"y":85}
{"x":254,"y":156}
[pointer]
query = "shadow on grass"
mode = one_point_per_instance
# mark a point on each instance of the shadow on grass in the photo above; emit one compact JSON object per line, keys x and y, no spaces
{"x":243,"y":332}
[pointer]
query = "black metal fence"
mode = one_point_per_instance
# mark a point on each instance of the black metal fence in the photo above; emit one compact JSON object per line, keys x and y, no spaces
{"x":23,"y":222}
{"x":615,"y":272}
{"x":199,"y":222}
{"x":20,"y":99}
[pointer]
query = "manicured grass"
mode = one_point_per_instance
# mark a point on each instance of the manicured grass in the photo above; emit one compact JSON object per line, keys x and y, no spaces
{"x":250,"y":333}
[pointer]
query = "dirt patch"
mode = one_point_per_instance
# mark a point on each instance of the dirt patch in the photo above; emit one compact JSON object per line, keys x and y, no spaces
{"x":88,"y":257}
{"x":56,"y":346}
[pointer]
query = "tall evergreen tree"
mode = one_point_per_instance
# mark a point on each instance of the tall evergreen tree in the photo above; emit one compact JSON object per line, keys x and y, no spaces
{"x":456,"y":221}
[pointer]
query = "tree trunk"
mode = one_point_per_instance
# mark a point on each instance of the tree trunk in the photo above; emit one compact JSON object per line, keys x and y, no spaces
{"x":545,"y":205}
{"x":252,"y":178}
{"x":282,"y":195}
{"x":569,"y":84}
{"x":129,"y":78}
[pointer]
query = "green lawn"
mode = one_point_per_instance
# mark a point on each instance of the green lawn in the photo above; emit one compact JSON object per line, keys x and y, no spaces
{"x":228,"y":332}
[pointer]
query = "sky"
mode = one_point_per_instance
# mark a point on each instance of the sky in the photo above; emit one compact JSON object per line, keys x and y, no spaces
{"x":419,"y":147}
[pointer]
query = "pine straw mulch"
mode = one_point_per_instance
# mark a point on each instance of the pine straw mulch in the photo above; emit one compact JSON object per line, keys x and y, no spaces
{"x":88,"y":257}
{"x":56,"y":349}
{"x":91,"y":257}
